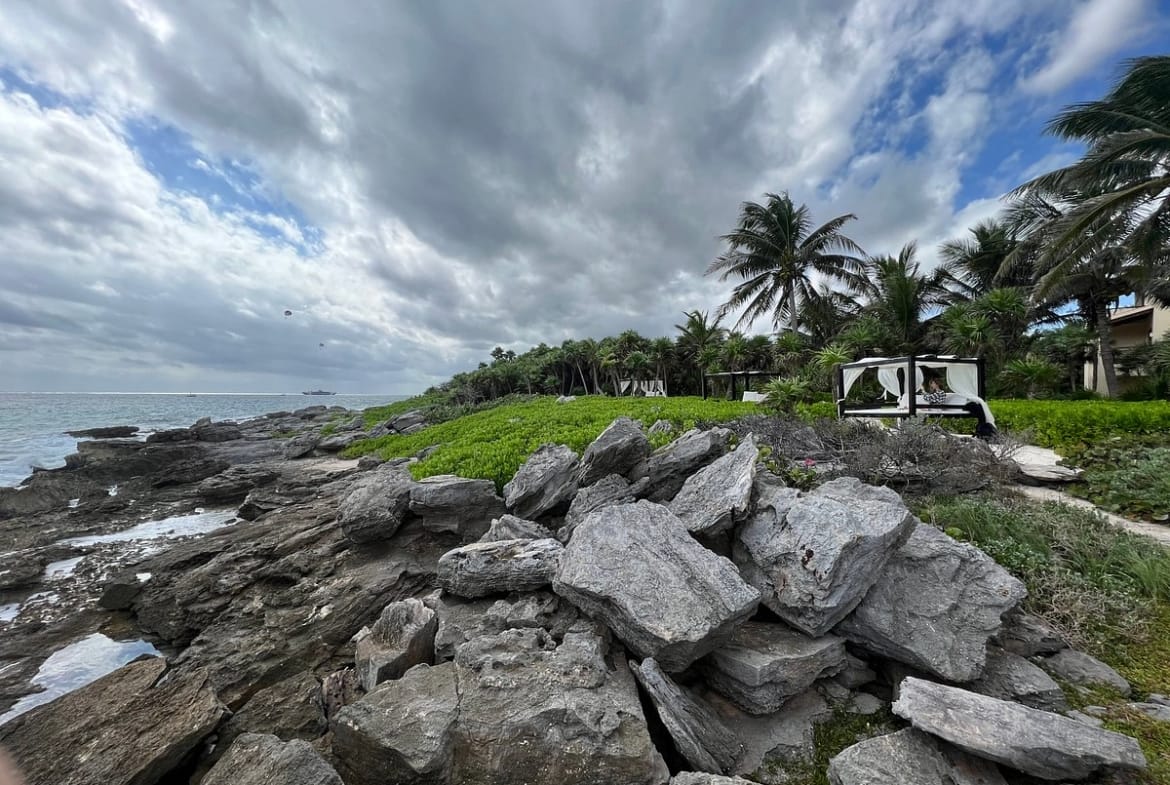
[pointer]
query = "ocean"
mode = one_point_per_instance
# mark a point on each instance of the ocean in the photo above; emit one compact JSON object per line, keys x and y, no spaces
{"x":33,"y":425}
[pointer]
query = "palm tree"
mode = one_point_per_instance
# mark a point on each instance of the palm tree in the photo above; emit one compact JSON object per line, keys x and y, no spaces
{"x":1122,"y":182}
{"x":775,"y":252}
{"x":898,"y":293}
{"x":699,"y":337}
{"x":661,"y":353}
{"x":978,"y":265}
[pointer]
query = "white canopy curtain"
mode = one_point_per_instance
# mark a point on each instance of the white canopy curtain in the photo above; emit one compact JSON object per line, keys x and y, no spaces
{"x":962,"y":378}
{"x":654,"y":388}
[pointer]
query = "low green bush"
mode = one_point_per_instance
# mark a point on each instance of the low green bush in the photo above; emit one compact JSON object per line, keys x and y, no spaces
{"x":1067,"y":425}
{"x":1133,"y":482}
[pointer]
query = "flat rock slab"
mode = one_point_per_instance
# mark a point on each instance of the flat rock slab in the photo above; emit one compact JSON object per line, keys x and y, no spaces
{"x":668,"y":467}
{"x":762,"y":665}
{"x":719,"y":495}
{"x":702,"y":778}
{"x":446,"y":503}
{"x":121,"y":729}
{"x":935,"y":607}
{"x":909,"y":757}
{"x":637,"y":569}
{"x":545,"y":483}
{"x":617,"y":450}
{"x":1079,"y":668}
{"x":697,"y":732}
{"x":814,"y":557}
{"x":402,"y":637}
{"x":1039,"y":743}
{"x":484,"y":568}
{"x":610,"y":490}
{"x":260,"y":759}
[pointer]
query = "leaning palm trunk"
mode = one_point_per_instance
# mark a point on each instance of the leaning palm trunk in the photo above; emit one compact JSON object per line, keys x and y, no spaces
{"x":1105,"y":349}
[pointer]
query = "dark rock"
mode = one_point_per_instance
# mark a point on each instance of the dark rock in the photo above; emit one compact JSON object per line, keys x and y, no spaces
{"x":172,"y":435}
{"x":234,"y":483}
{"x":369,"y":461}
{"x":463,"y":620}
{"x":120,"y":592}
{"x":124,"y":728}
{"x":111,"y":432}
{"x":909,"y":757}
{"x":407,"y":421}
{"x":814,"y":557}
{"x":702,"y":778}
{"x":618,"y":449}
{"x":669,"y":467}
{"x":300,"y":446}
{"x":545,"y":483}
{"x":402,"y":637}
{"x":635,"y":567}
{"x":375,"y":506}
{"x":1076,"y":667}
{"x":217,"y":432}
{"x":763,"y":665}
{"x":1010,"y":677}
{"x":774,"y":743}
{"x":607,"y":491}
{"x":290,"y":709}
{"x":501,"y":566}
{"x":1028,"y":635}
{"x":1039,"y":743}
{"x":338,"y":441}
{"x":509,"y":527}
{"x":258,"y":759}
{"x":446,"y":503}
{"x":935,"y":607}
{"x":719,"y":495}
{"x":696,"y":730}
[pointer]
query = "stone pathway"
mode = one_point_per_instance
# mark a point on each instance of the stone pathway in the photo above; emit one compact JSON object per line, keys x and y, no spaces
{"x":1152,"y":530}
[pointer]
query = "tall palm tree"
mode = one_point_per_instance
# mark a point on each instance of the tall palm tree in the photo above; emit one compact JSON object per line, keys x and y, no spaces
{"x":1122,"y":182}
{"x":899,"y":294}
{"x":979,"y":264}
{"x":776,"y":252}
{"x":700,"y":336}
{"x":661,"y":353}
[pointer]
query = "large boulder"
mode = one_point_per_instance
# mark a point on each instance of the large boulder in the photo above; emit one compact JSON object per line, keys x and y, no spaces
{"x":509,"y":527}
{"x":635,"y":567}
{"x":935,"y":606}
{"x":668,"y":467}
{"x":376,"y":505}
{"x":1039,"y":743}
{"x":463,"y":620}
{"x":813,"y":558}
{"x":718,"y":496}
{"x":774,"y":743}
{"x":909,"y":757}
{"x":290,"y":709}
{"x":484,"y":568}
{"x":544,"y":484}
{"x":1028,"y":635}
{"x":1076,"y":667}
{"x":617,"y":450}
{"x":446,"y":503}
{"x":261,"y":759}
{"x":123,"y":729}
{"x":400,"y":732}
{"x":234,"y":483}
{"x":763,"y":665}
{"x":402,"y":637}
{"x":1010,"y":677}
{"x":697,"y":731}
{"x":300,"y":446}
{"x":606,"y":492}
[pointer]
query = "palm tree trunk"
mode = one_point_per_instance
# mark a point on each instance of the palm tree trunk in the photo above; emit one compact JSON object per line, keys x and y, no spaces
{"x":792,"y":310}
{"x":1105,"y":349}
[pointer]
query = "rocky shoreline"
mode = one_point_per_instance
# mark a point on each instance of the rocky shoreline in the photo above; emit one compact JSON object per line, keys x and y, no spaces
{"x":622,"y":616}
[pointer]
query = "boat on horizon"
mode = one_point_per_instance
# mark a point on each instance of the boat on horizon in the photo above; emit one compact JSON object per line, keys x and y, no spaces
{"x":318,"y":392}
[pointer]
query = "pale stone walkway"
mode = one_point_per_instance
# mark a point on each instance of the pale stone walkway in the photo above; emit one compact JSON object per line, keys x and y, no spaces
{"x":1152,"y":530}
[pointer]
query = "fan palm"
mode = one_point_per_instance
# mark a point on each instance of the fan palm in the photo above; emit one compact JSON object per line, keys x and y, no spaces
{"x":776,"y":252}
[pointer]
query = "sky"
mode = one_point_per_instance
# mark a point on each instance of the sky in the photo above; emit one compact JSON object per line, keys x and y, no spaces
{"x":419,"y":182}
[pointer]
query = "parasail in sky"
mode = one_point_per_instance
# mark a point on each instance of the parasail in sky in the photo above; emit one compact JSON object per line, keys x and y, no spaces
{"x":287,"y":312}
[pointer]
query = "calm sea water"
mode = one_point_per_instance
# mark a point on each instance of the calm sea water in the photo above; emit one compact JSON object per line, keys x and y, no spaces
{"x":33,"y":425}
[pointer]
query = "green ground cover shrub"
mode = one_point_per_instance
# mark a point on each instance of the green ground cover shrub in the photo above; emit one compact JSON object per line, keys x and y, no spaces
{"x":1067,"y":425}
{"x":1126,"y":475}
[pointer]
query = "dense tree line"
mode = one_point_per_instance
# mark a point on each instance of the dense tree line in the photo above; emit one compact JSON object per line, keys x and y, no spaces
{"x":1029,"y":291}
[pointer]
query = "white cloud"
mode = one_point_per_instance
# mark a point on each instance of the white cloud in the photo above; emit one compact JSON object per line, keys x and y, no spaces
{"x":1096,"y":29}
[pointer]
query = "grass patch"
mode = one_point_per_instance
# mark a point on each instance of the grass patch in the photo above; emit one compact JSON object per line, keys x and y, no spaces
{"x":830,"y":738}
{"x":492,"y":444}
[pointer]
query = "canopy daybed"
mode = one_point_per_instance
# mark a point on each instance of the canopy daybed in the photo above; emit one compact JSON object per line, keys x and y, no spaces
{"x":964,"y":377}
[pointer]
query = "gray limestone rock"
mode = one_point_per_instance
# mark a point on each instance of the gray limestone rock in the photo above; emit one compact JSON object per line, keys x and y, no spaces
{"x":339,"y":441}
{"x":484,"y":568}
{"x":1039,"y":743}
{"x":610,"y":490}
{"x":856,"y":673}
{"x":719,"y":495}
{"x":1076,"y":667}
{"x":1028,"y":635}
{"x":402,"y":637}
{"x":446,"y":503}
{"x":762,"y":665}
{"x":702,"y":778}
{"x":773,"y":742}
{"x":400,"y":732}
{"x":509,"y":527}
{"x":909,"y":757}
{"x":865,"y":704}
{"x":545,"y":483}
{"x":375,"y":505}
{"x":1010,"y":677}
{"x":935,"y":607}
{"x":1155,"y":711}
{"x":261,"y":759}
{"x":300,"y":446}
{"x":617,"y":450}
{"x":463,"y":620}
{"x":407,"y":421}
{"x":696,"y":730}
{"x":635,"y":568}
{"x":668,"y":467}
{"x":289,"y":709}
{"x":813,"y":558}
{"x":123,"y":729}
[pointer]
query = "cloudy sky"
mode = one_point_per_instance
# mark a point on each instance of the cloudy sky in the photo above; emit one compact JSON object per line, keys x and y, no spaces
{"x":421,"y":181}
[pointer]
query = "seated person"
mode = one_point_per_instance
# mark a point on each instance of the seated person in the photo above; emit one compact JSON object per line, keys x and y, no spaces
{"x":934,"y":394}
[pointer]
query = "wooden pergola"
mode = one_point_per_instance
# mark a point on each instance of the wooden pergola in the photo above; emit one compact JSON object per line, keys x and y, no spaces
{"x":734,"y":375}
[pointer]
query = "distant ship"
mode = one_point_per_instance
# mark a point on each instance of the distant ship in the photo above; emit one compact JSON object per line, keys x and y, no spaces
{"x":318,"y":392}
